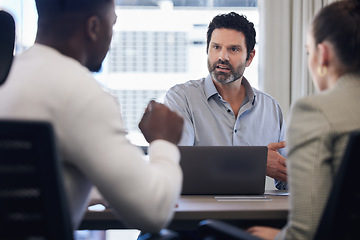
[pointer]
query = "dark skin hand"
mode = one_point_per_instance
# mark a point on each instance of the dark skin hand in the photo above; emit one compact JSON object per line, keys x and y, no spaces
{"x":159,"y":122}
{"x":276,"y":164}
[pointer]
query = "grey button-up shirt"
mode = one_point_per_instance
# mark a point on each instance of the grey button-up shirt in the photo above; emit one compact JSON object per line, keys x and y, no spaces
{"x":210,"y":121}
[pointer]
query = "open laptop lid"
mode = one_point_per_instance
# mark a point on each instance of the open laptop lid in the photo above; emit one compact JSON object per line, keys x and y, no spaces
{"x":223,"y":170}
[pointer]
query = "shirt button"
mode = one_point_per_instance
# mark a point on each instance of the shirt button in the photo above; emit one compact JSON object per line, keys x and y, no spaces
{"x":228,"y":110}
{"x":235,"y":131}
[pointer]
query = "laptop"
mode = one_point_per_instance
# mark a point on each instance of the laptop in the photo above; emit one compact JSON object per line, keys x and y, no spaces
{"x":223,"y":170}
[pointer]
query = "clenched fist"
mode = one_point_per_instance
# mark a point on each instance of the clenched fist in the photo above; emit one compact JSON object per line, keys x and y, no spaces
{"x":159,"y":122}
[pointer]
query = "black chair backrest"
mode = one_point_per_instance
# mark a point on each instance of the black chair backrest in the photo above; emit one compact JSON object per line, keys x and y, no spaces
{"x":211,"y":229}
{"x":7,"y":42}
{"x":32,"y":198}
{"x":341,"y":217}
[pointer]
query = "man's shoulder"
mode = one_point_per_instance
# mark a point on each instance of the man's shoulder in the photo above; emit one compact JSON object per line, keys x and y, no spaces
{"x":189,"y":86}
{"x":54,"y":71}
{"x":63,"y":67}
{"x":47,"y":56}
{"x":262,"y":96}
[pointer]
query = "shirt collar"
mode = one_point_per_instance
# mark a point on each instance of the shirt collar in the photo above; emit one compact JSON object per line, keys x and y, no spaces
{"x":249,"y":90}
{"x":210,"y":89}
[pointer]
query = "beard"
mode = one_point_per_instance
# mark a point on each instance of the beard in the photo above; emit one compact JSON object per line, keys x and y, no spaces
{"x":224,"y":77}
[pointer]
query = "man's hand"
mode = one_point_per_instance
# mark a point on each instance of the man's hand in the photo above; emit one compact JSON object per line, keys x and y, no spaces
{"x":159,"y":122}
{"x":276,"y":164}
{"x":267,"y":233}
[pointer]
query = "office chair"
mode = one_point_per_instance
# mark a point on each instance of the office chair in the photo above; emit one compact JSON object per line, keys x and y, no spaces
{"x":7,"y":42}
{"x":341,"y":217}
{"x":32,"y":198}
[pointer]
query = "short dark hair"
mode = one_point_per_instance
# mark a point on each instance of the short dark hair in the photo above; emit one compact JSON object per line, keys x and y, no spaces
{"x":339,"y":23}
{"x":236,"y":22}
{"x":64,"y":17}
{"x":55,"y":7}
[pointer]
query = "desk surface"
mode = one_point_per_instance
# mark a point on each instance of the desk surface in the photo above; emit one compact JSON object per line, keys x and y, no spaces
{"x":192,"y":209}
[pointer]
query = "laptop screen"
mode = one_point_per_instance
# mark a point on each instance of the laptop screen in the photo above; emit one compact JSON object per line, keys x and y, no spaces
{"x":223,"y":170}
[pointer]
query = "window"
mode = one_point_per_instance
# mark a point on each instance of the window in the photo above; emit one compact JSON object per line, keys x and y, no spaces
{"x":148,"y":52}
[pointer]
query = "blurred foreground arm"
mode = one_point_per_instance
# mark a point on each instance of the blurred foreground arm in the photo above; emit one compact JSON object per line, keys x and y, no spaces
{"x":142,"y":193}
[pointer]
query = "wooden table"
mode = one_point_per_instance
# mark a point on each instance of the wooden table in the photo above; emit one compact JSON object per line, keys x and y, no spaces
{"x":270,"y":209}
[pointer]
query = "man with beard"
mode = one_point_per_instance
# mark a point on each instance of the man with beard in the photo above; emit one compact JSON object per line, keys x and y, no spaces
{"x":223,"y":109}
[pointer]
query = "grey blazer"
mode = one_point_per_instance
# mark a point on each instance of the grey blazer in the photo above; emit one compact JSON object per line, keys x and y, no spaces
{"x":317,"y":135}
